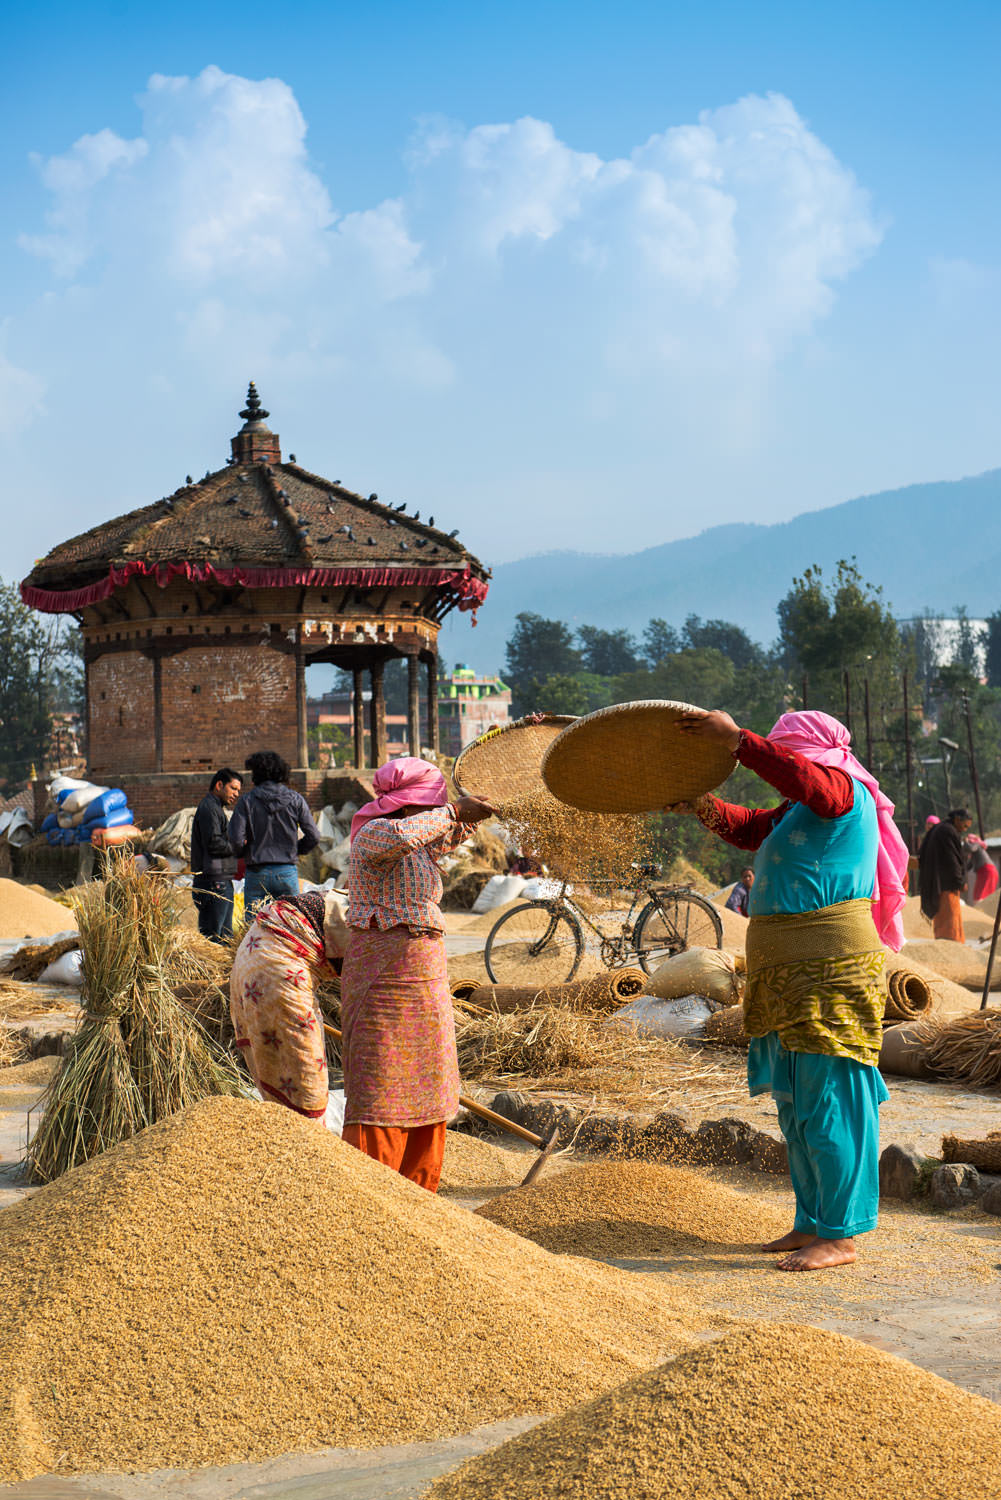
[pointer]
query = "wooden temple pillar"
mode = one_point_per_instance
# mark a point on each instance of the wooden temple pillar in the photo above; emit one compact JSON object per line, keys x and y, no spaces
{"x":301,"y":720}
{"x":358,"y":712}
{"x":431,"y":662}
{"x":414,"y":703}
{"x":377,"y":715}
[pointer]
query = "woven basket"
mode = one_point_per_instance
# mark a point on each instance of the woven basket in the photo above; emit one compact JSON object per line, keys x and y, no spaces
{"x":633,"y":758}
{"x":505,"y":765}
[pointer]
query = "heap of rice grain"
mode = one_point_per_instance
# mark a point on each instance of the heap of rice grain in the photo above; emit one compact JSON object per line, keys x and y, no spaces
{"x":633,"y":1210}
{"x":24,"y":913}
{"x":471,"y":1163}
{"x":769,"y":1413}
{"x":235,"y":1283}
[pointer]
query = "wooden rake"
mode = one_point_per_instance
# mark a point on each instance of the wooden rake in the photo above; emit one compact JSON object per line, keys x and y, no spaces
{"x":545,"y":1148}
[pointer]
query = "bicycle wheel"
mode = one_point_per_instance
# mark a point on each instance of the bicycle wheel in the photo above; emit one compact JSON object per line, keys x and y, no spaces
{"x":534,"y":944}
{"x":672,"y":922}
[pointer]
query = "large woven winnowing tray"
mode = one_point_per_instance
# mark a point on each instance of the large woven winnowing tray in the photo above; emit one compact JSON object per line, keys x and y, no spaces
{"x":505,"y":764}
{"x":633,"y":758}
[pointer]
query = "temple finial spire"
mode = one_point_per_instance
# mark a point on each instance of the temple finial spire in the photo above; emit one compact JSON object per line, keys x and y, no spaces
{"x":254,"y":411}
{"x":255,"y":442}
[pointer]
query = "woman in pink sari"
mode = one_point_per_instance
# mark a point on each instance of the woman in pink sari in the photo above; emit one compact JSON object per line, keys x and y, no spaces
{"x":401,"y":1073}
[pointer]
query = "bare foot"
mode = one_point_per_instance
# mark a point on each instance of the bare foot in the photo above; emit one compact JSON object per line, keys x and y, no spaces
{"x":794,"y":1240}
{"x":819,"y":1255}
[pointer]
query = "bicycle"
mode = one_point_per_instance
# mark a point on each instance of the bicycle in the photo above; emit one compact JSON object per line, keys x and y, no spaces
{"x":543,"y":941}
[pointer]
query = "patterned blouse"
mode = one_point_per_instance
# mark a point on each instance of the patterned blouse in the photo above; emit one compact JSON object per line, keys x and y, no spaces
{"x":394,"y":879}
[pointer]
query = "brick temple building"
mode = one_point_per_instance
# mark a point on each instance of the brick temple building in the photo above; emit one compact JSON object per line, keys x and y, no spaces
{"x":201,"y":612}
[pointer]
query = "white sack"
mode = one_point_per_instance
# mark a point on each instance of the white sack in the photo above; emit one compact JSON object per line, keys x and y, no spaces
{"x":82,"y":797}
{"x":334,"y":1116}
{"x":65,"y":970}
{"x":498,"y":890}
{"x":19,"y":830}
{"x":649,"y":1017}
{"x":698,"y":971}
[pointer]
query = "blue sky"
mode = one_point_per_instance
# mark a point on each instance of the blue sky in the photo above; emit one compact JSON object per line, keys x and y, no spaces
{"x":564,"y":274}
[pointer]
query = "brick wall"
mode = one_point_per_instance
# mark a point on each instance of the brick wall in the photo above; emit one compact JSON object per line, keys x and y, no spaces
{"x":120,"y":698}
{"x":220,"y":703}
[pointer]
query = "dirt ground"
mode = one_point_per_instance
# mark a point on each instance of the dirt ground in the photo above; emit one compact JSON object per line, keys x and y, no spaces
{"x":925,"y":1286}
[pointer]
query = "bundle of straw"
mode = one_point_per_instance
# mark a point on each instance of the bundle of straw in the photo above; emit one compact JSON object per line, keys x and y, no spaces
{"x":983,"y":1154}
{"x":533,"y":1042}
{"x":11,"y":1047}
{"x":908,"y":996}
{"x":968,"y":1049}
{"x":139,"y":1054}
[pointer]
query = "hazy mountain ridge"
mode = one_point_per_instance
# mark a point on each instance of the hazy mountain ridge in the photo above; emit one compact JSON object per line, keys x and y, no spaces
{"x":930,"y":546}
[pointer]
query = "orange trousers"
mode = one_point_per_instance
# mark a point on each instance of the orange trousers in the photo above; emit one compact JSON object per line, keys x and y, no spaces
{"x":948,"y":921}
{"x":416,"y":1153}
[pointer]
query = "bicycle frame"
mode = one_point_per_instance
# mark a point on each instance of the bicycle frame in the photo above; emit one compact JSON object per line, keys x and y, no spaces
{"x":614,"y":945}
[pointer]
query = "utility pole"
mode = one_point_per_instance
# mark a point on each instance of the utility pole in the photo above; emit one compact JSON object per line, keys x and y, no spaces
{"x":973,"y":764}
{"x":910,"y":775}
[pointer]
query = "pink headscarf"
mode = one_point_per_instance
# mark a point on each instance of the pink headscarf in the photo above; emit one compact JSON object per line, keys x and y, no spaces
{"x":825,"y":741}
{"x":931,"y":820}
{"x":407,"y":782}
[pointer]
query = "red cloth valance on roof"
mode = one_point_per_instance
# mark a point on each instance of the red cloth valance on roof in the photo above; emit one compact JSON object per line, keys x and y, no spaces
{"x":471,"y":591}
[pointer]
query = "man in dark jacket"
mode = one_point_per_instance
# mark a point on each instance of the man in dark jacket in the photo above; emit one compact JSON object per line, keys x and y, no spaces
{"x":271,"y":826}
{"x":942,"y":874}
{"x":213,"y":863}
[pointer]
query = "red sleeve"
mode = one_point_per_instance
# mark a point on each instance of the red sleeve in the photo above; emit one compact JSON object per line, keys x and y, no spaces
{"x":825,"y":790}
{"x":744,"y":827}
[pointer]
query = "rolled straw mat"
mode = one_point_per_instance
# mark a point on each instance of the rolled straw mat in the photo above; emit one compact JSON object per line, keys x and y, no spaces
{"x":633,"y":758}
{"x":948,"y":999}
{"x":464,"y":989}
{"x":983,"y":1154}
{"x":505,"y":764}
{"x":601,"y":992}
{"x":908,"y":996}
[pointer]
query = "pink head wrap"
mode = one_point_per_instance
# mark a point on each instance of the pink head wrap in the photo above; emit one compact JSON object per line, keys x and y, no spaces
{"x":825,"y":741}
{"x":407,"y":782}
{"x":931,"y":820}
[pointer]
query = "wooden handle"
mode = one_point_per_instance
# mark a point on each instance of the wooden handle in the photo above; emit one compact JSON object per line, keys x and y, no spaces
{"x":471,"y":1105}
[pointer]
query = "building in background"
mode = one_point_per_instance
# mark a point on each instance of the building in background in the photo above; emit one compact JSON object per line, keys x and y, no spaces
{"x":469,"y":705}
{"x":202,"y":612}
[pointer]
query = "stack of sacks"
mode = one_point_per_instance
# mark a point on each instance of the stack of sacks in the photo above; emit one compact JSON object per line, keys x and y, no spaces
{"x":86,"y":814}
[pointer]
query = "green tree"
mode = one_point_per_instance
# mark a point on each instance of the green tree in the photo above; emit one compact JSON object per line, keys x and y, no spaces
{"x":837,"y":633}
{"x":722,"y":635}
{"x":607,"y":653}
{"x":28,"y":650}
{"x":659,"y":640}
{"x":538,"y":649}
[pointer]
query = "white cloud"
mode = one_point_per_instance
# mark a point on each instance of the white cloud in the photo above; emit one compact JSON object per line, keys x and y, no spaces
{"x":518,"y":294}
{"x":21,"y":397}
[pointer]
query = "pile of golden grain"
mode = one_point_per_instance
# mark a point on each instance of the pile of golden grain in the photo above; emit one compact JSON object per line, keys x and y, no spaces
{"x":474,"y":1164}
{"x":767,"y":1413}
{"x":235,"y":1283}
{"x":633,"y":1210}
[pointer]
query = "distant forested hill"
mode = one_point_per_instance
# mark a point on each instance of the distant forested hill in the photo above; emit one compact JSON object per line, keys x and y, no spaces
{"x":931,"y":546}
